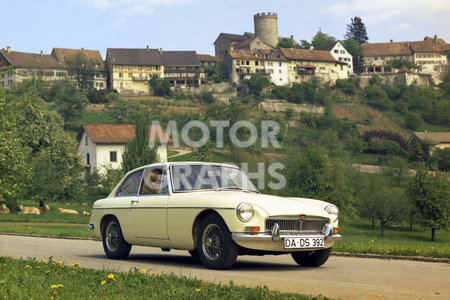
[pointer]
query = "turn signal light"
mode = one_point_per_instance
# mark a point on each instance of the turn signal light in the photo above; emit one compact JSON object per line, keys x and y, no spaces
{"x":252,"y":228}
{"x":335,"y":229}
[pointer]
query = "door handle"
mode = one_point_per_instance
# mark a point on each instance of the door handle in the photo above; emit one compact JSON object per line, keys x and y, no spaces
{"x":134,"y":202}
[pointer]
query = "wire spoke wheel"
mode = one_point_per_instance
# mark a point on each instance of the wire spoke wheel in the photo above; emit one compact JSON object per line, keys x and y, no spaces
{"x":112,"y":236}
{"x":212,"y":241}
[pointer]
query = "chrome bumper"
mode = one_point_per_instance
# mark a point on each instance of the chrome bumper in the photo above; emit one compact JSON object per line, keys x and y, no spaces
{"x":266,"y":236}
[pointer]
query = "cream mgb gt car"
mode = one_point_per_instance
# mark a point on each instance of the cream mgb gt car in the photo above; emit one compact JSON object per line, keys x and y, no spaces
{"x":213,"y":211}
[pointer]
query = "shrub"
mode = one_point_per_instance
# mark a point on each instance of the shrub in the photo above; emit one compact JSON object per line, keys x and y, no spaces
{"x":413,"y":121}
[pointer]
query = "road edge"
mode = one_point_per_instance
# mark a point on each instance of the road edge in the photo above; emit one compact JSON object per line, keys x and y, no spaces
{"x":342,"y":254}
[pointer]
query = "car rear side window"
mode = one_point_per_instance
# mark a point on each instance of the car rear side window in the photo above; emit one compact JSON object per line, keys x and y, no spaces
{"x":131,"y":184}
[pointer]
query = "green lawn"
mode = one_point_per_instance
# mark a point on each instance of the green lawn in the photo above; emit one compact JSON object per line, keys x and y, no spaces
{"x":358,"y":237}
{"x":53,"y":279}
{"x":98,"y":117}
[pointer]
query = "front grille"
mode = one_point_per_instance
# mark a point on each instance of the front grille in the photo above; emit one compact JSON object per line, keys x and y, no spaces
{"x":310,"y":224}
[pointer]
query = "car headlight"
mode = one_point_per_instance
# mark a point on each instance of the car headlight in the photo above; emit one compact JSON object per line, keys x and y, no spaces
{"x":244,"y":212}
{"x":333,"y":211}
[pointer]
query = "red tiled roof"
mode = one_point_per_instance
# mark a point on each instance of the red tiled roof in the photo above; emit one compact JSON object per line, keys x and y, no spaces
{"x":31,"y":60}
{"x":386,"y":49}
{"x":207,"y":57}
{"x":309,"y":55}
{"x":61,"y":54}
{"x":118,"y":133}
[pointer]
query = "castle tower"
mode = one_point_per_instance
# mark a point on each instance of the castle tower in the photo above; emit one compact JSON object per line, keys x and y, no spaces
{"x":266,"y":27}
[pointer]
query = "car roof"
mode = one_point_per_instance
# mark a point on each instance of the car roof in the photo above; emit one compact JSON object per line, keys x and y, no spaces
{"x":183,"y":163}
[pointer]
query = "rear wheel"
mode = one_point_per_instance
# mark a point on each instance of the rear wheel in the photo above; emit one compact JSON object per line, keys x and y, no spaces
{"x":314,"y":258}
{"x":113,"y":242}
{"x":216,"y":249}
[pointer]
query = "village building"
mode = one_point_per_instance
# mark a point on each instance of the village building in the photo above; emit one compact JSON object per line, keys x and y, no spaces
{"x":101,"y":146}
{"x":242,"y":64}
{"x":98,"y":69}
{"x":182,"y":68}
{"x":265,"y":36}
{"x":27,"y":66}
{"x":434,"y":140}
{"x":304,"y":64}
{"x":429,"y":55}
{"x":207,"y":60}
{"x":130,"y":69}
{"x":339,"y":53}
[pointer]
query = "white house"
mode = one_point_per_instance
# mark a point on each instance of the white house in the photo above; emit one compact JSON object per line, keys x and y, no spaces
{"x":102,"y":145}
{"x":339,"y":53}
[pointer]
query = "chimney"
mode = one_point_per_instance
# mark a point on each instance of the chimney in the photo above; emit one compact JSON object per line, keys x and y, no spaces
{"x":82,"y":48}
{"x":148,"y":48}
{"x":435,"y":39}
{"x":8,"y":49}
{"x":292,"y":37}
{"x":231,"y":48}
{"x":391,"y":40}
{"x":42,"y":53}
{"x":160,"y":51}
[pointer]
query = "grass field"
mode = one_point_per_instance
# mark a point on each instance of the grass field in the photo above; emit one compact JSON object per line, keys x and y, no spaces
{"x":53,"y":279}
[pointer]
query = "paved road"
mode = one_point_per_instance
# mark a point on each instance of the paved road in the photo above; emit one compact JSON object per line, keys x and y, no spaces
{"x":344,"y":277}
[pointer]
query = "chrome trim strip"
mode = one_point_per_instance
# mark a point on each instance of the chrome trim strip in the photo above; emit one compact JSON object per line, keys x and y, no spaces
{"x":265,"y":236}
{"x":159,"y":207}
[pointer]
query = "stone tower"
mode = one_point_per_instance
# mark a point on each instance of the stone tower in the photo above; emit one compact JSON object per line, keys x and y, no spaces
{"x":266,"y":27}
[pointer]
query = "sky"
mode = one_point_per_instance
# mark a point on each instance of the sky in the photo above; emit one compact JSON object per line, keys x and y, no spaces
{"x":35,"y":25}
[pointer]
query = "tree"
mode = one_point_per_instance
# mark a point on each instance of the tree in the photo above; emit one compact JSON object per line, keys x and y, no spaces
{"x":376,"y":97}
{"x":304,"y":44}
{"x":356,"y":30}
{"x":82,"y":68}
{"x":160,"y":87}
{"x":429,"y":194}
{"x":312,"y":174}
{"x":380,"y":201}
{"x":321,"y":39}
{"x":14,"y":170}
{"x":413,"y":120}
{"x":287,"y":43}
{"x":400,"y":63}
{"x":68,"y":101}
{"x":257,"y":83}
{"x":355,"y":50}
{"x":137,"y":152}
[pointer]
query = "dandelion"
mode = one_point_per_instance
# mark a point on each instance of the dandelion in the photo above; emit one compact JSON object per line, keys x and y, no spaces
{"x":198,"y":290}
{"x":27,"y":266}
{"x":103,"y":282}
{"x":143,"y":271}
{"x":60,"y":285}
{"x":38,"y":267}
{"x":111,"y":276}
{"x":59,"y":262}
{"x":54,"y":286}
{"x":44,"y":261}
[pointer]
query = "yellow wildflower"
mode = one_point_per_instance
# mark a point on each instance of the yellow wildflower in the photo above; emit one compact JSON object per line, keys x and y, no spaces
{"x":27,"y":266}
{"x":143,"y":271}
{"x":60,"y":285}
{"x":44,"y":261}
{"x":54,"y":286}
{"x":59,"y":262}
{"x":38,"y":267}
{"x":198,"y":290}
{"x":103,"y":282}
{"x":111,"y":276}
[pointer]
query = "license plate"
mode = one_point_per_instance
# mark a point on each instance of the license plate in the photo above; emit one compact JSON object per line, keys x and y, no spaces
{"x":303,"y":243}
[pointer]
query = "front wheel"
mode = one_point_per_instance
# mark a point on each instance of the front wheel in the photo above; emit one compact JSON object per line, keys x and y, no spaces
{"x":314,"y":258}
{"x":114,"y":244}
{"x":216,"y":249}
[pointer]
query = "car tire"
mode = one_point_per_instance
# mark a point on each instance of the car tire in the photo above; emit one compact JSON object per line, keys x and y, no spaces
{"x":314,"y":258}
{"x":216,"y":249}
{"x":114,"y":244}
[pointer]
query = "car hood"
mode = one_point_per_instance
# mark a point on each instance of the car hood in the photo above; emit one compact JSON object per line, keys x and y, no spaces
{"x":273,"y":205}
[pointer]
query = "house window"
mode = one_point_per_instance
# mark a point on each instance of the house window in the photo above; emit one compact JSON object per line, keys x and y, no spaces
{"x":336,"y":51}
{"x":113,"y":156}
{"x":97,"y":66}
{"x":342,"y":52}
{"x":130,"y":67}
{"x":120,"y":75}
{"x":130,"y":75}
{"x":121,"y":68}
{"x":86,"y":140}
{"x":140,"y":68}
{"x":88,"y":159}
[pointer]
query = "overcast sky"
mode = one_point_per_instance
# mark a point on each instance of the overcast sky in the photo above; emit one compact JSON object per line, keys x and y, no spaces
{"x":35,"y":25}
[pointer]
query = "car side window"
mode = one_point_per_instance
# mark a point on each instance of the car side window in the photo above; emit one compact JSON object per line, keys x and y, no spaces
{"x":154,"y":181}
{"x":131,"y":184}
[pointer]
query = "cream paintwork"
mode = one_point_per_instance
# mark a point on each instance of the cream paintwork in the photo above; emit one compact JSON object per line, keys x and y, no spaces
{"x":174,"y":227}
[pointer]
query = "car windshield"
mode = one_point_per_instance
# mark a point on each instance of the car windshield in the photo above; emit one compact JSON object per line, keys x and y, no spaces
{"x":187,"y":178}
